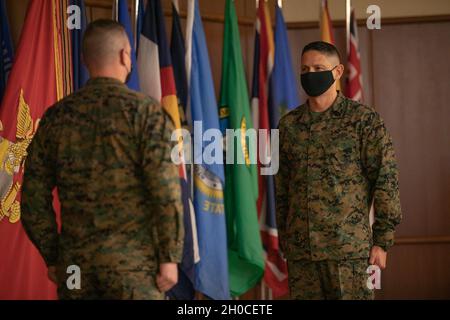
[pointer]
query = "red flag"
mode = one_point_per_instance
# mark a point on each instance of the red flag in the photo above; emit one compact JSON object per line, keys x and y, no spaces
{"x":264,"y":57}
{"x":35,"y":83}
{"x":354,"y":81}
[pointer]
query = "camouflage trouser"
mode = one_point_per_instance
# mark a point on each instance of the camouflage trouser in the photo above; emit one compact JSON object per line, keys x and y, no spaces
{"x":329,"y":280}
{"x":133,"y":285}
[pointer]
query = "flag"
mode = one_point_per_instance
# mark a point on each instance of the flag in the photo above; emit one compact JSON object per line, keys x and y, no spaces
{"x":245,"y":254}
{"x":124,"y":19}
{"x":283,"y":96}
{"x":354,"y":89}
{"x":283,"y":83}
{"x":178,"y":53}
{"x":31,"y":89}
{"x":154,"y":61}
{"x":80,"y":72}
{"x":6,"y":49}
{"x":157,"y":80}
{"x":262,"y":70}
{"x":212,"y":269}
{"x":326,"y":27}
{"x":184,"y":289}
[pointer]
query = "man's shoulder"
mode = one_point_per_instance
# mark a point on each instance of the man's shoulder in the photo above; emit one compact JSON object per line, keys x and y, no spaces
{"x":119,"y":92}
{"x":358,"y":111}
{"x":139,"y":97}
{"x":88,"y":95}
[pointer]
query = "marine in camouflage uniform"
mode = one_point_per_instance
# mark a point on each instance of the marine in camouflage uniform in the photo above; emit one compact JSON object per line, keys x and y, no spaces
{"x":332,"y":166}
{"x":107,"y":150}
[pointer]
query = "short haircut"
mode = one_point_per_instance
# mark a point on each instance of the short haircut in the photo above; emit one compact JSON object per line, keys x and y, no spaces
{"x":102,"y":40}
{"x":323,"y":47}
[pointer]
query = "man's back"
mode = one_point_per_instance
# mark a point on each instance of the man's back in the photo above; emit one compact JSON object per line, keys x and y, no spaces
{"x":108,"y":147}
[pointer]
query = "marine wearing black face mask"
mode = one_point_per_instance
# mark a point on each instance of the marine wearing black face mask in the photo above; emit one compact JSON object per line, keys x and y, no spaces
{"x":336,"y":159}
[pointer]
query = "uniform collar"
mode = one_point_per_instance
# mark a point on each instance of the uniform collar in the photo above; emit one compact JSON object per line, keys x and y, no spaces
{"x":104,"y":81}
{"x":335,"y":111}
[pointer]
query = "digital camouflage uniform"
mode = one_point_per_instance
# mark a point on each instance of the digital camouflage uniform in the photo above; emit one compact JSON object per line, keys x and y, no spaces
{"x":107,"y":150}
{"x":332,"y":166}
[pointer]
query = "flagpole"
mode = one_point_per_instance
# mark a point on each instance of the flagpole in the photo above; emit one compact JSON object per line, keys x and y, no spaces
{"x":320,"y":15}
{"x":348,"y":7}
{"x":177,"y":5}
{"x":116,"y":10}
{"x":136,"y":17}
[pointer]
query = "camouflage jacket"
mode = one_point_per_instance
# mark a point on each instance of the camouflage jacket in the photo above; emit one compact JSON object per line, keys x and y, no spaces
{"x":107,"y":151}
{"x":331,"y":168}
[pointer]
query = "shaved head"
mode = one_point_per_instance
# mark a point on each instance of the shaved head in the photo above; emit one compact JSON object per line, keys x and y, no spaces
{"x":103,"y":43}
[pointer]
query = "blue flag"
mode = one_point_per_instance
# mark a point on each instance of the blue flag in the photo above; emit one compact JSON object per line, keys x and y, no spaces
{"x":283,"y":83}
{"x":211,"y":272}
{"x":124,"y":19}
{"x":80,"y":72}
{"x":6,"y":49}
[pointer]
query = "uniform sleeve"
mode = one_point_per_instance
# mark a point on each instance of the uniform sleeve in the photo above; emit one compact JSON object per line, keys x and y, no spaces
{"x":381,"y":170}
{"x":163,"y":182}
{"x":281,"y":189}
{"x":38,"y":217}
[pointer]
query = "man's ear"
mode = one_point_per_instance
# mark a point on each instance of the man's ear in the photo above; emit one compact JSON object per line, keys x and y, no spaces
{"x":339,"y":71}
{"x":123,"y":57}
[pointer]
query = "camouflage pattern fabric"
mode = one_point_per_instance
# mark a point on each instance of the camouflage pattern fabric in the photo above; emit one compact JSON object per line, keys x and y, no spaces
{"x":329,"y":280}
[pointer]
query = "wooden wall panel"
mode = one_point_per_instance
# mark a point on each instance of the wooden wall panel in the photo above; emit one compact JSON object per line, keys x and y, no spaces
{"x":411,"y":83}
{"x":417,"y":271}
{"x":411,"y":90}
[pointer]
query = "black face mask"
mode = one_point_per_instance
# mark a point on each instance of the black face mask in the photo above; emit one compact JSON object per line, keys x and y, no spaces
{"x":316,"y":83}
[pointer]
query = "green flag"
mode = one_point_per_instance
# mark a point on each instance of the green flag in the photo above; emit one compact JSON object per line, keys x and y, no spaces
{"x":245,"y":252}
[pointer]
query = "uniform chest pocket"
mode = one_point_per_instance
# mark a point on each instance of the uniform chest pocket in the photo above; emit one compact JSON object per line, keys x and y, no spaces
{"x":342,"y":152}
